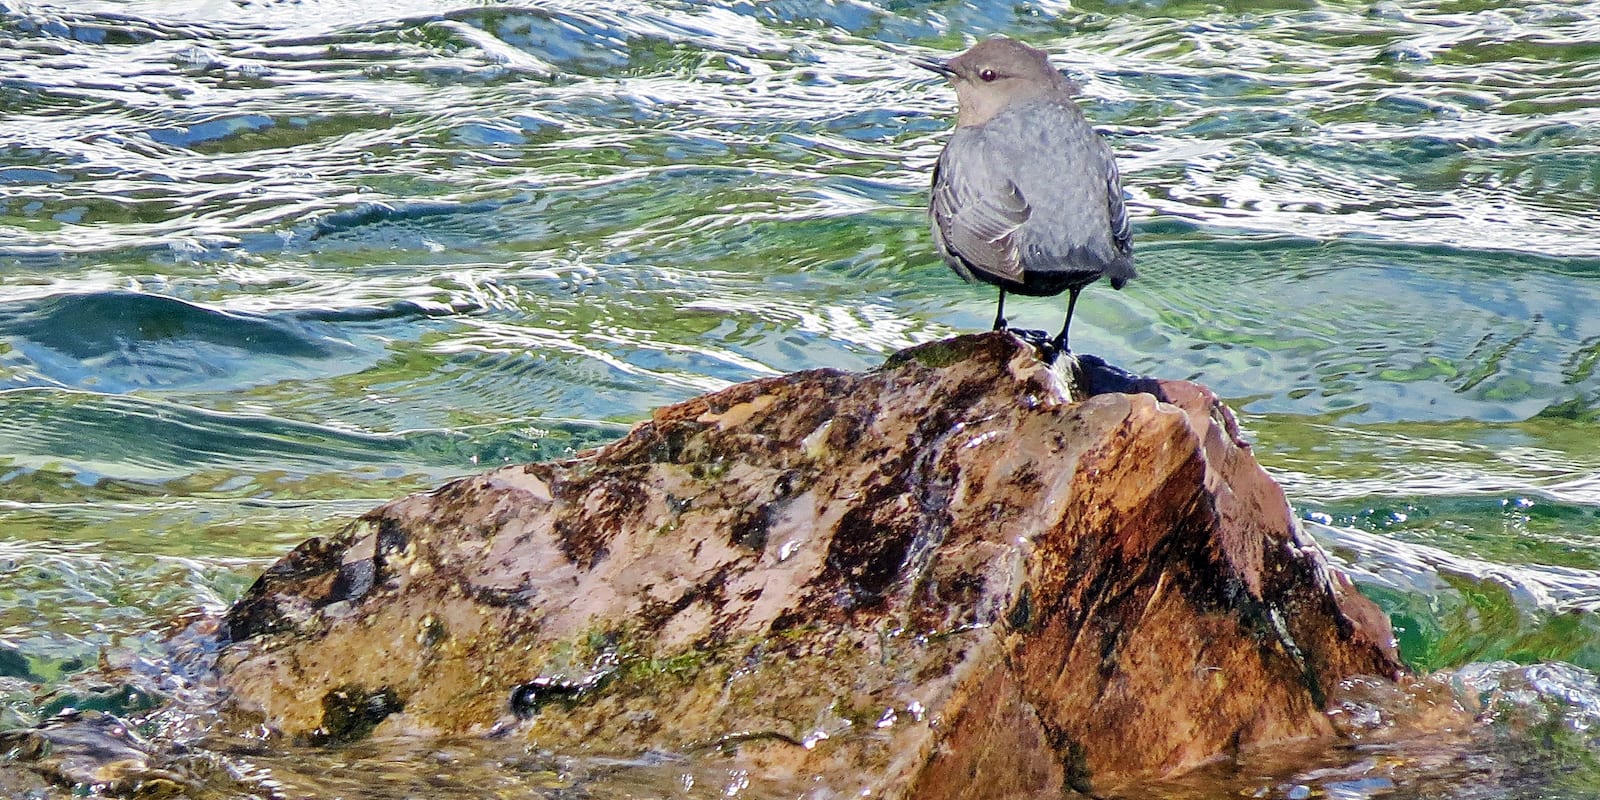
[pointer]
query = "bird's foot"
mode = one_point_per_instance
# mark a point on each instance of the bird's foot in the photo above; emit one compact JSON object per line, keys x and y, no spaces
{"x":1040,"y":340}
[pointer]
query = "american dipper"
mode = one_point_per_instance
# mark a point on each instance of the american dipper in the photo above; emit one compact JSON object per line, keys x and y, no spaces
{"x":1026,"y":195}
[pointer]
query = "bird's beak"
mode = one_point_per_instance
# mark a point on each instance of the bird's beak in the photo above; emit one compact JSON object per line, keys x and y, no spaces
{"x":935,"y":65}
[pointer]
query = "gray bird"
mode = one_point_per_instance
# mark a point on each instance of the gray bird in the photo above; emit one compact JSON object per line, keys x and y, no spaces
{"x":1026,"y":194}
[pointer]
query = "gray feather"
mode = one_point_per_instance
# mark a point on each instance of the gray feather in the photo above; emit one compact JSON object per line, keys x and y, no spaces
{"x":1033,"y":190}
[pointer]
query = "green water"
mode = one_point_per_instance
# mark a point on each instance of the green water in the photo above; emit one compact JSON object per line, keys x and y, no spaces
{"x":264,"y":265}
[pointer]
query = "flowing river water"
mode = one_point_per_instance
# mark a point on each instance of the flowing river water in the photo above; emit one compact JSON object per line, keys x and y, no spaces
{"x":265,"y":264}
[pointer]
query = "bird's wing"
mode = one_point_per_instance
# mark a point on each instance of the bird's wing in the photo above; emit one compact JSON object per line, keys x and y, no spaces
{"x":977,"y":214}
{"x":1121,"y":231}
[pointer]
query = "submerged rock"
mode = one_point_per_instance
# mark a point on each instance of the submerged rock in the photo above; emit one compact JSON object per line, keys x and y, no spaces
{"x":941,"y":578}
{"x":92,"y":751}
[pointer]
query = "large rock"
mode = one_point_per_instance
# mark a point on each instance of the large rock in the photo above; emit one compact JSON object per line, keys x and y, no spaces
{"x":941,"y":578}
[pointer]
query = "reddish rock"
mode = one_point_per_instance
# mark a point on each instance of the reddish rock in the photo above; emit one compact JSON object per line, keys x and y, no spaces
{"x":941,"y":578}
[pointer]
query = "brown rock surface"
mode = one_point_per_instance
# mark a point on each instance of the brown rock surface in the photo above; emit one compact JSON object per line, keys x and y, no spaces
{"x":941,"y":578}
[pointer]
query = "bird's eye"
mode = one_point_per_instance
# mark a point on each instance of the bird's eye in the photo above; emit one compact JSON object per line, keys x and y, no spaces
{"x":988,"y":75}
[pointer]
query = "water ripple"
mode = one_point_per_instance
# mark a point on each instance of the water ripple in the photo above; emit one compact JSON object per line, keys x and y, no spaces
{"x":1417,"y":569}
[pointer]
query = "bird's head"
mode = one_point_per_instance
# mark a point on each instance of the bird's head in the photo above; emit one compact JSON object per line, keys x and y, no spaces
{"x":995,"y":74}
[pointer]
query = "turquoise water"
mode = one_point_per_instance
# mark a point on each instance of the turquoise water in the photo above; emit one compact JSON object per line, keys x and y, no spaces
{"x":264,"y":265}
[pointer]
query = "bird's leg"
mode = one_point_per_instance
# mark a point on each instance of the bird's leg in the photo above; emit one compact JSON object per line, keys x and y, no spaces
{"x":1061,"y":338}
{"x":1000,"y":313}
